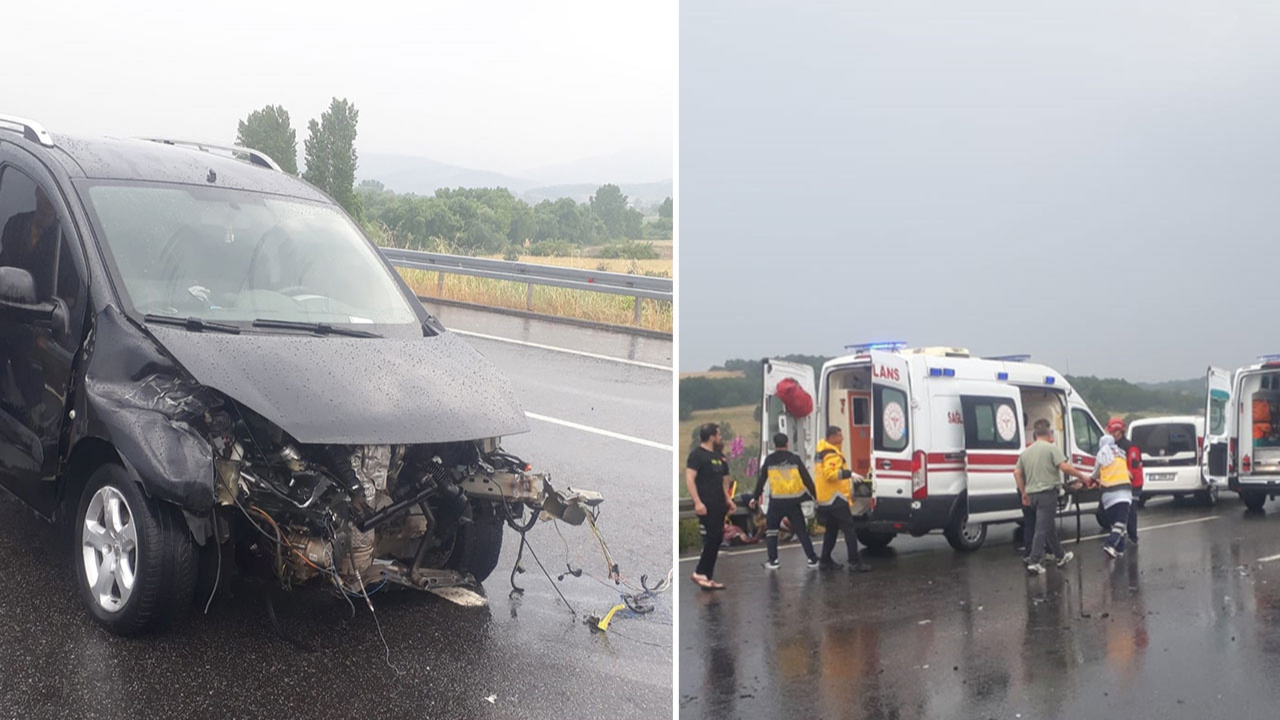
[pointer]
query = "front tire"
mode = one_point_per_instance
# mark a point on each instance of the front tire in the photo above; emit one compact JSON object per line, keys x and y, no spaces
{"x":963,"y":535}
{"x":478,"y":544}
{"x":135,"y":561}
{"x":874,"y":540}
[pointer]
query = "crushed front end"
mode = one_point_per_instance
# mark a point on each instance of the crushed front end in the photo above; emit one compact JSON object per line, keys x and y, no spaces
{"x":424,"y":516}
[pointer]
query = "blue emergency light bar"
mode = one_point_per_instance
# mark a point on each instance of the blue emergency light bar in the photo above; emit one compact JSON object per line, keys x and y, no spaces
{"x":1048,"y":380}
{"x":890,"y":346}
{"x":1002,"y":376}
{"x":942,"y":372}
{"x":1268,"y":358}
{"x":1010,"y":358}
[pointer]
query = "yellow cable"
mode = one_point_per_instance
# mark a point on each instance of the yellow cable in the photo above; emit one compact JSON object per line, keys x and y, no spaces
{"x":604,"y":624}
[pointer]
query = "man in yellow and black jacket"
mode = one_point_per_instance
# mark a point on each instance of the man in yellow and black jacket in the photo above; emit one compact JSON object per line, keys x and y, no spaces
{"x":834,"y":483}
{"x":789,"y":481}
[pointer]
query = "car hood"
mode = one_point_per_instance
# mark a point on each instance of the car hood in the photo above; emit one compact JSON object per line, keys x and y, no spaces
{"x":354,"y":391}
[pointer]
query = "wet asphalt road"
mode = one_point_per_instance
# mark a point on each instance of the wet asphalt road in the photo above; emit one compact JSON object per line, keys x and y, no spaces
{"x":520,"y":658}
{"x":1187,"y":625}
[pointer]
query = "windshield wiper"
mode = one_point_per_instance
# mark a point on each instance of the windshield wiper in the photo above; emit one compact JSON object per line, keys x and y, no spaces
{"x":192,"y":323}
{"x":318,"y":328}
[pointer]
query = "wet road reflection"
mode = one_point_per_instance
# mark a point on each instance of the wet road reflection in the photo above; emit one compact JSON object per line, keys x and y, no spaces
{"x":1187,"y":624}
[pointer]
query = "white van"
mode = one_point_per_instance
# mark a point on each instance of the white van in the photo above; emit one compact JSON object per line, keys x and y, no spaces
{"x":939,"y":431}
{"x":1242,"y":430}
{"x":1171,"y":457}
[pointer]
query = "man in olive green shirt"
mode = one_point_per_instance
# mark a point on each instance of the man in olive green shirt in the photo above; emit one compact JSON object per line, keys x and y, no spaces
{"x":1038,"y":474}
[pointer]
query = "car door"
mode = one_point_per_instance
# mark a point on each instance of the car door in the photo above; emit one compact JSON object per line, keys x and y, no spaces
{"x":42,"y":305}
{"x":1085,"y":438}
{"x":992,"y":442}
{"x":1217,"y":425}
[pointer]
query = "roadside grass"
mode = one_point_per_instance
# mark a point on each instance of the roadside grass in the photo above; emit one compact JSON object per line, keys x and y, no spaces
{"x":563,"y":302}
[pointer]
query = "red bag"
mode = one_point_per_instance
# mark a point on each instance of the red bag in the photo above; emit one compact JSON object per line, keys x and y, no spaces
{"x":797,"y":402}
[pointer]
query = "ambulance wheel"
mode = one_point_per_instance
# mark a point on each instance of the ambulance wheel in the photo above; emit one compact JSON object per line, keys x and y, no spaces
{"x":875,"y":540}
{"x":964,"y":535}
{"x":1253,"y":500}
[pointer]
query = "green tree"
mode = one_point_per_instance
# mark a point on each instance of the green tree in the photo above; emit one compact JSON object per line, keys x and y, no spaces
{"x":610,"y":205}
{"x":331,"y":154}
{"x":269,"y":131}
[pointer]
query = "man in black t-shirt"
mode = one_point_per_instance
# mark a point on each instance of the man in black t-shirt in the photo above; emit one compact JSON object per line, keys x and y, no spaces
{"x":705,"y":474}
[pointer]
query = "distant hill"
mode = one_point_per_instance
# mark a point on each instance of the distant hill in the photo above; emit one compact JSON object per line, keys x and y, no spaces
{"x":646,"y":193}
{"x":1195,"y":386}
{"x":423,"y":176}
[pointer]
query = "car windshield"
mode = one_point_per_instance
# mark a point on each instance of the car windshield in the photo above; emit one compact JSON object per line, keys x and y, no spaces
{"x":236,"y":256}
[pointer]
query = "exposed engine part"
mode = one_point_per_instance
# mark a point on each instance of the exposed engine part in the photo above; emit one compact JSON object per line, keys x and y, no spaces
{"x":290,"y":457}
{"x":316,"y":551}
{"x":358,"y":516}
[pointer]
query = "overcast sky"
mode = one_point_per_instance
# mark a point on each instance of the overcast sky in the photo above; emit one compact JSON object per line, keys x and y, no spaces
{"x":507,"y":86}
{"x":1095,"y":183}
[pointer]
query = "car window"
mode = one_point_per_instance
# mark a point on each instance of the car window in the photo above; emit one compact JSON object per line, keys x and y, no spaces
{"x":29,"y":230}
{"x":1088,"y":434}
{"x":1165,"y":439}
{"x":990,"y":423}
{"x":1218,"y":412}
{"x":231,"y":255}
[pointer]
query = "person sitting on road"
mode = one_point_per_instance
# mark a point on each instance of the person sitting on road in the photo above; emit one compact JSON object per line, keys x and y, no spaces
{"x":1039,"y":475}
{"x":834,"y":483}
{"x":1112,"y":473}
{"x":788,"y":480}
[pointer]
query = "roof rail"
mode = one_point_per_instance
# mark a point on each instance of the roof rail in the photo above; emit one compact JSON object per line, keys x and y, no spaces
{"x":256,"y":157}
{"x":1011,"y":358}
{"x":31,"y":129}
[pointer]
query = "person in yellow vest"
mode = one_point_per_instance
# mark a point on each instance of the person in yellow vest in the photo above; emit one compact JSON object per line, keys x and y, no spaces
{"x":1112,"y":474}
{"x":789,"y":481}
{"x":834,"y":483}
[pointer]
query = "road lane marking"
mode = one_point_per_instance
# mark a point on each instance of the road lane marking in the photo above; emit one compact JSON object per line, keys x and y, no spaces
{"x":567,"y":351}
{"x":1149,"y":527}
{"x":1087,"y":537}
{"x":1269,"y":558}
{"x":598,"y":431}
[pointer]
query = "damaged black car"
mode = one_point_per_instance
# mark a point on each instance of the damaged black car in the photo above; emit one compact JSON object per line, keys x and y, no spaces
{"x":204,"y":362}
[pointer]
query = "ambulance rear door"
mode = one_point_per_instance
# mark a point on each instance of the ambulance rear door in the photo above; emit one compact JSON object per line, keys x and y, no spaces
{"x":774,"y":417}
{"x":1217,"y":425}
{"x":898,"y":474}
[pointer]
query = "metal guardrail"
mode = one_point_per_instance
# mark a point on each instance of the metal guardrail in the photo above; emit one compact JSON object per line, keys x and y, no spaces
{"x":686,"y":509}
{"x":638,"y":286}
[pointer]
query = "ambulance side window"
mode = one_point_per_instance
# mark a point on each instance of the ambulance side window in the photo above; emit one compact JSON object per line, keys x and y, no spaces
{"x":890,"y":407}
{"x":990,"y":423}
{"x":1088,"y":434}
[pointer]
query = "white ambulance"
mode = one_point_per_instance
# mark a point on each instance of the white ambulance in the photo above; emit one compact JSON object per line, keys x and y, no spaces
{"x":938,"y":431}
{"x":1242,"y":430}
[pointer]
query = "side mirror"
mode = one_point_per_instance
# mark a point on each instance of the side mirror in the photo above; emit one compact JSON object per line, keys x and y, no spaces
{"x":17,"y":286}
